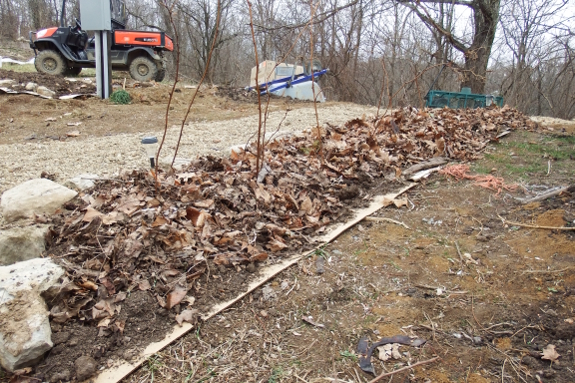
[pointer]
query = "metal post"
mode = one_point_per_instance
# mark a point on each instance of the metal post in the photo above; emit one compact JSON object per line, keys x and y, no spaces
{"x":103,"y":64}
{"x":96,"y":16}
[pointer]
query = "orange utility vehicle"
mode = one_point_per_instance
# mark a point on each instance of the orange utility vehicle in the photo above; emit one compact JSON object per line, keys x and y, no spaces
{"x":66,"y":50}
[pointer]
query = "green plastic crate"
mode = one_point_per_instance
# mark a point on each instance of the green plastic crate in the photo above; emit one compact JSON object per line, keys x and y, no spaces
{"x":460,"y":100}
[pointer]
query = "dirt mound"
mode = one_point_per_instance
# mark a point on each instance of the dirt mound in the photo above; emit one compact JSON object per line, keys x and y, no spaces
{"x":245,"y":95}
{"x":59,"y":84}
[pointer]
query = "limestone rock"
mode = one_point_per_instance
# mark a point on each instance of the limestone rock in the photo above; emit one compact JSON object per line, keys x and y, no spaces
{"x":25,"y":333}
{"x":62,"y":376}
{"x":37,"y":275}
{"x":82,"y":182}
{"x":32,"y":86}
{"x":22,"y":243}
{"x":24,"y":330}
{"x":7,"y":82}
{"x":43,"y":91}
{"x":40,"y":196}
{"x":85,"y":367}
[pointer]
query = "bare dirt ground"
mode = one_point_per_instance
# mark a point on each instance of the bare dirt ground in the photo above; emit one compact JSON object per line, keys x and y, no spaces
{"x":488,"y":295}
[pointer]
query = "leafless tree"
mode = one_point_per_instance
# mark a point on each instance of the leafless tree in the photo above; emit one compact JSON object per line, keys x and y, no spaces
{"x":476,"y":49}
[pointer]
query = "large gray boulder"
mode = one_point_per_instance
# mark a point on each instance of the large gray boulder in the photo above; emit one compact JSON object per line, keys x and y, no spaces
{"x":39,"y":196}
{"x":22,"y":243}
{"x":25,"y":333}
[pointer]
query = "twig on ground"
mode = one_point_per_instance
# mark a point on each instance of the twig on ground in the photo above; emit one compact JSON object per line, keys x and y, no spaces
{"x":293,"y":287}
{"x":474,"y":317}
{"x":499,"y":324}
{"x":383,"y":219}
{"x":459,"y":253}
{"x":551,"y":193}
{"x":521,"y":329}
{"x":432,"y":325}
{"x":546,"y":271}
{"x":512,"y":223}
{"x":403,"y":369}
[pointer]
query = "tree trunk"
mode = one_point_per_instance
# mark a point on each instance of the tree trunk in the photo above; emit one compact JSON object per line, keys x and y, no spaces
{"x":475,"y":72}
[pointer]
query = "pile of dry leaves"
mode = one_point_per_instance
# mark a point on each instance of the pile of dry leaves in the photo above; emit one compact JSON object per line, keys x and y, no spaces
{"x":139,"y":233}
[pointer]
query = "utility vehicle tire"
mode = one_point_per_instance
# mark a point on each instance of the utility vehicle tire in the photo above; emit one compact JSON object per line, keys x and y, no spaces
{"x":50,"y":62}
{"x":161,"y":74}
{"x":143,"y":69}
{"x":73,"y":71}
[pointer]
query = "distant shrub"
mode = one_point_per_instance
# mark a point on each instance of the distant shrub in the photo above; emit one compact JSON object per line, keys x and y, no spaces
{"x":120,"y":97}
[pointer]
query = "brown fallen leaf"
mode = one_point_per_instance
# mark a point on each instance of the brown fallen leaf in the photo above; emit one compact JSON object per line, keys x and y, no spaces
{"x":120,"y":297}
{"x":205,"y":204}
{"x":161,"y":301}
{"x":91,"y":213}
{"x":112,"y":218}
{"x":106,"y":305}
{"x":222,"y":259}
{"x":120,"y":325}
{"x":144,"y":285}
{"x":159,"y":221}
{"x":109,"y":285}
{"x":259,"y":257}
{"x":197,"y":217}
{"x":549,"y":353}
{"x":89,"y":285}
{"x":176,"y":296}
{"x":394,"y":201}
{"x":104,"y":322}
{"x":275,"y":245}
{"x":190,"y":316}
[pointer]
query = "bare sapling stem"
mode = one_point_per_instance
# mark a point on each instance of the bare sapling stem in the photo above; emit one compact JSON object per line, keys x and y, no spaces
{"x":317,"y":127}
{"x":204,"y":74}
{"x":259,"y":146}
{"x":170,"y":10}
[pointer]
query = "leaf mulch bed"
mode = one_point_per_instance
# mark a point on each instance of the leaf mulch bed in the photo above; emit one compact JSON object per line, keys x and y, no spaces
{"x":179,"y":244}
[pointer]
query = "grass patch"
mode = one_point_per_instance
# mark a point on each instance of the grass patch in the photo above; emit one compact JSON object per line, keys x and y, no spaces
{"x":527,"y":154}
{"x":26,"y":68}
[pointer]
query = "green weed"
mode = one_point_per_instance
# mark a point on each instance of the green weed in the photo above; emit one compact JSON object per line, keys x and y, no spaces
{"x":277,"y":373}
{"x":348,"y":355}
{"x":120,"y":97}
{"x":153,"y":364}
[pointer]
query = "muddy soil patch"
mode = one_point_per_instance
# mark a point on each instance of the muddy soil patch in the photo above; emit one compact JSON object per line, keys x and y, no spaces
{"x":58,"y":84}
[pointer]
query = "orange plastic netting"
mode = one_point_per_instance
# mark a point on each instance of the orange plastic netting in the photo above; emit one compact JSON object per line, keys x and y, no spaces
{"x":490,"y":182}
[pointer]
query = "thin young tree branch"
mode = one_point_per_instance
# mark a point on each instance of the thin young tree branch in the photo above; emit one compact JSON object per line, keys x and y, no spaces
{"x":170,"y":10}
{"x":206,"y":69}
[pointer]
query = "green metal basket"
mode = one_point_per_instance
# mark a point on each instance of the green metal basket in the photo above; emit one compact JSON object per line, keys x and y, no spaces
{"x":460,"y":100}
